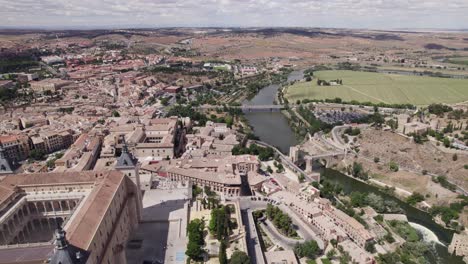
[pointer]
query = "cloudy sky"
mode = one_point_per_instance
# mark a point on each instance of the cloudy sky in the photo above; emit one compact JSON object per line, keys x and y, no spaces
{"x":390,"y":14}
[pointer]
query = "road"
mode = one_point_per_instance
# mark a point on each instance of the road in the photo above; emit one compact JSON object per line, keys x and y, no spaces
{"x":50,"y":69}
{"x":284,"y":158}
{"x":254,"y":249}
{"x":277,"y":238}
{"x":304,"y":229}
{"x":336,"y":135}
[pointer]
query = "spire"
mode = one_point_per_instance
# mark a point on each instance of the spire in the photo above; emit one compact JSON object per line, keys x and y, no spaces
{"x":60,"y":239}
{"x":63,"y":253}
{"x":124,"y":147}
{"x":126,"y":159}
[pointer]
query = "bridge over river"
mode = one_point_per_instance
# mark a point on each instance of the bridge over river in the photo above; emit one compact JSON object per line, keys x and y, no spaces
{"x":247,"y":108}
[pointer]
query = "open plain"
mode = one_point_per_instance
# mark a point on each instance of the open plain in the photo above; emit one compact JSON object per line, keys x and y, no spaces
{"x":381,"y":88}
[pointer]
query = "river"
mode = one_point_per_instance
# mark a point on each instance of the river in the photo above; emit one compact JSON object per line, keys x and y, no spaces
{"x":273,"y":128}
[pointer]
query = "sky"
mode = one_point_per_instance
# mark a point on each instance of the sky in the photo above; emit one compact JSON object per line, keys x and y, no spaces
{"x":376,"y":14}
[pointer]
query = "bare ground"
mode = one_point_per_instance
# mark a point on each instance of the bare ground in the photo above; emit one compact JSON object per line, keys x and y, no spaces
{"x":388,"y":146}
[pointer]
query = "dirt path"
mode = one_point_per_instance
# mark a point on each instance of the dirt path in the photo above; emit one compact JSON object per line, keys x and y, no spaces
{"x":370,"y":96}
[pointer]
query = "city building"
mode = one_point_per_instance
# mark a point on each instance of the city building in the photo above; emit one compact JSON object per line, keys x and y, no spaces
{"x":6,"y":166}
{"x":81,"y":155}
{"x":331,"y":222}
{"x":56,"y":140}
{"x":52,"y":59}
{"x":156,"y":139}
{"x":415,"y":128}
{"x":52,"y":85}
{"x":357,"y":254}
{"x":16,"y":147}
{"x":97,"y":210}
{"x":459,"y":245}
{"x":221,"y":175}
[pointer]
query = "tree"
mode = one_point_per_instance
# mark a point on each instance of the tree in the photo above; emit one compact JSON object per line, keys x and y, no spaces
{"x":370,"y":247}
{"x":115,"y":113}
{"x":269,"y":169}
{"x":194,"y":251}
{"x":358,"y":199}
{"x":219,"y":223}
{"x":345,"y":258}
{"x":334,"y":242}
{"x":357,"y":169}
{"x":301,"y":177}
{"x":36,"y":154}
{"x":239,"y":257}
{"x":229,"y":121}
{"x":51,"y":163}
{"x":196,"y":240}
{"x":222,"y":253}
{"x":331,"y":254}
{"x":375,"y":201}
{"x":309,"y":249}
{"x":446,"y":142}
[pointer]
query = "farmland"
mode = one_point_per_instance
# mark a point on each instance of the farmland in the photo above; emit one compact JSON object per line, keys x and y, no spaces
{"x":380,"y":87}
{"x":458,"y":60}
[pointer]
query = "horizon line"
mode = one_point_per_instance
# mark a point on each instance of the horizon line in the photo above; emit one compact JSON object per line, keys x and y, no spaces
{"x":133,"y":27}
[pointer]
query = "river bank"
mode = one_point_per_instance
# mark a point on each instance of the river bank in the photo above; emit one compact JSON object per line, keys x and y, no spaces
{"x":414,"y":215}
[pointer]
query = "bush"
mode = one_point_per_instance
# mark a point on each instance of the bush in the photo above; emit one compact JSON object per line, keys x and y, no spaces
{"x":239,"y":257}
{"x":352,"y":131}
{"x":415,"y":198}
{"x":455,"y":157}
{"x":376,"y":159}
{"x":442,"y":180}
{"x":379,"y":218}
{"x":389,"y":238}
{"x":393,"y":166}
{"x":404,"y":230}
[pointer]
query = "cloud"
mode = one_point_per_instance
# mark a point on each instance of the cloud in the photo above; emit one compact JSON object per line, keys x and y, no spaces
{"x":312,"y":13}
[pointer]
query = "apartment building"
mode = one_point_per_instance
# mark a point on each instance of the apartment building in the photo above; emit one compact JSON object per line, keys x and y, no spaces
{"x":16,"y":147}
{"x":52,"y":85}
{"x":156,"y":139}
{"x":82,"y":154}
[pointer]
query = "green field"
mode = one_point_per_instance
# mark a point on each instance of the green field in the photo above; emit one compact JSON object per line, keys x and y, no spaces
{"x":458,"y":60}
{"x":380,"y":87}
